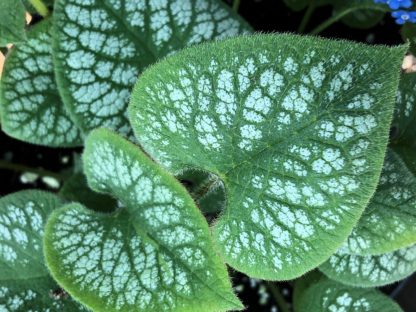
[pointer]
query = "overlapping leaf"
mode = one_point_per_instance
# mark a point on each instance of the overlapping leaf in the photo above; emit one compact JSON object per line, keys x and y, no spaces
{"x":12,"y":22}
{"x":405,"y":113}
{"x":155,"y":254}
{"x":31,"y":109}
{"x":295,"y":127}
{"x":327,"y":295}
{"x":388,"y":223}
{"x":25,"y":282}
{"x":371,"y":271}
{"x":102,"y":46}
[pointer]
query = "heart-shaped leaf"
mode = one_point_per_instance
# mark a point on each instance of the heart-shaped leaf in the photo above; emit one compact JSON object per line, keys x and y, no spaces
{"x":327,"y":295}
{"x":102,"y":46}
{"x":25,"y":282}
{"x":295,"y":127}
{"x":388,"y":223}
{"x":12,"y":22}
{"x":155,"y":254}
{"x":371,"y":271}
{"x":31,"y":109}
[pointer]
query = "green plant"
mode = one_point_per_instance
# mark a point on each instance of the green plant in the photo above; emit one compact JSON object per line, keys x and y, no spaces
{"x":281,"y":138}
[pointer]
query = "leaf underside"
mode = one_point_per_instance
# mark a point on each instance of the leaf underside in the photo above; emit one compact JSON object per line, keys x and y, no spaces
{"x":327,"y":295}
{"x":371,"y":271}
{"x":31,"y":108}
{"x":25,"y":282}
{"x":155,"y":254}
{"x":295,"y":127}
{"x":102,"y":46}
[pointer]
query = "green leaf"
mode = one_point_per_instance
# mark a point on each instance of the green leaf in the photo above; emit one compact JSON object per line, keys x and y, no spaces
{"x":408,"y":33}
{"x":297,"y":5}
{"x":206,"y":190}
{"x":327,"y":295}
{"x":76,"y":189}
{"x":24,"y":279}
{"x":32,"y":10}
{"x":155,"y":254}
{"x":302,"y":284}
{"x":388,"y":223}
{"x":101,"y":48}
{"x":295,"y":127}
{"x":405,"y":113}
{"x":35,"y":294}
{"x":12,"y":22}
{"x":31,"y":109}
{"x":362,"y":14}
{"x":371,"y":271}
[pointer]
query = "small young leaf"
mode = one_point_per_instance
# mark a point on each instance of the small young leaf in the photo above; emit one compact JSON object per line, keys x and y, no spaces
{"x":281,"y":123}
{"x":155,"y":254}
{"x":408,"y":33}
{"x":297,"y":5}
{"x":24,"y":279}
{"x":327,"y":295}
{"x":405,"y":113}
{"x":371,"y":271}
{"x":12,"y":22}
{"x":388,"y":223}
{"x":31,"y":109}
{"x":102,"y":46}
{"x":363,"y":13}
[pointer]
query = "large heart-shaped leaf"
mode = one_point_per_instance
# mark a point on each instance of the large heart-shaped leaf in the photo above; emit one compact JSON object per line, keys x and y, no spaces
{"x":295,"y":127}
{"x":102,"y":46}
{"x":155,"y":254}
{"x":12,"y":22}
{"x":388,"y":223}
{"x":31,"y":109}
{"x":25,"y":282}
{"x":371,"y":271}
{"x":327,"y":295}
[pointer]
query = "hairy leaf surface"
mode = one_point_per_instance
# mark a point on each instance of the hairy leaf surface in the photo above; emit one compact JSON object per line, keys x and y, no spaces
{"x":388,"y":222}
{"x":102,"y":46}
{"x":12,"y":22}
{"x":295,"y":127}
{"x":31,"y":108}
{"x":327,"y":295}
{"x":371,"y":271}
{"x":155,"y":254}
{"x":25,"y":282}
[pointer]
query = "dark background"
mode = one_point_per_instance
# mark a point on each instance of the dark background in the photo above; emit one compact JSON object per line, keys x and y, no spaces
{"x":264,"y":16}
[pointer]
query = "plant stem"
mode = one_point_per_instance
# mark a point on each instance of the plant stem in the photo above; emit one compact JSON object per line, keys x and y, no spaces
{"x":281,"y":302}
{"x":21,"y":168}
{"x":307,"y":17}
{"x":236,"y":5}
{"x":40,"y":7}
{"x":340,"y":15}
